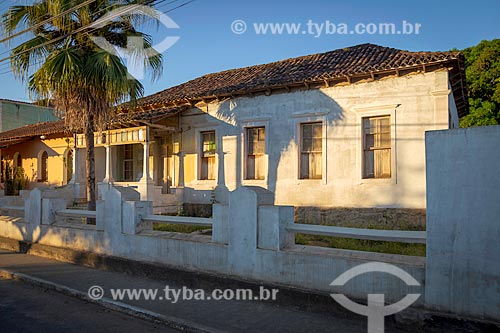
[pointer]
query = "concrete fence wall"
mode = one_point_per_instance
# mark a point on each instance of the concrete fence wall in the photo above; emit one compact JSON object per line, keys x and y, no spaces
{"x":249,"y":241}
{"x":463,"y":222}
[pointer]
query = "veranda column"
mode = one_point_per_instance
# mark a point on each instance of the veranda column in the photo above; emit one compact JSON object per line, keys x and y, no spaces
{"x":180,"y":181}
{"x":146,"y":178}
{"x":79,"y":191}
{"x":166,"y":167}
{"x":109,"y":170}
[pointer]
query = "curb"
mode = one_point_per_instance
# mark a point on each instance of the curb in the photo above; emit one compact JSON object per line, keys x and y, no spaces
{"x":302,"y":300}
{"x":169,"y":321}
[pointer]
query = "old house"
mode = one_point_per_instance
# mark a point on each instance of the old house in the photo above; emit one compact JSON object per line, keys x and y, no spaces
{"x":341,"y":129}
{"x":14,"y":114}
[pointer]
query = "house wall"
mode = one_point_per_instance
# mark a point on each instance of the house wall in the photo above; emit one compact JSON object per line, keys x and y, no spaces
{"x":249,"y":241}
{"x":14,"y":115}
{"x":30,"y":152}
{"x":416,"y":103}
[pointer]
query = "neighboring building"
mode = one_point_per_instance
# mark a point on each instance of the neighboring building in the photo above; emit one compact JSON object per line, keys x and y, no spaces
{"x":14,"y":114}
{"x":342,"y":129}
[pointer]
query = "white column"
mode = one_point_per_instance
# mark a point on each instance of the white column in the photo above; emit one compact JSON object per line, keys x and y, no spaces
{"x":180,"y":181}
{"x":146,"y":177}
{"x":165,"y":175}
{"x":109,"y":169}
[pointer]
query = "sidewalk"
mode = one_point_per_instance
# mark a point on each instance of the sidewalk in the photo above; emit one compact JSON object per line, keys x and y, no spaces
{"x":190,"y":315}
{"x":193,"y":315}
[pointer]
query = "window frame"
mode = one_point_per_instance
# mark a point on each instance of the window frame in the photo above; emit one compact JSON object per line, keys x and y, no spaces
{"x":262,"y":155}
{"x":376,"y":111}
{"x":312,"y":117}
{"x":68,"y":171}
{"x":302,"y":150}
{"x":16,"y":159}
{"x":125,"y":160}
{"x":43,"y":166}
{"x":244,"y":125}
{"x":385,"y":148}
{"x":200,"y":153}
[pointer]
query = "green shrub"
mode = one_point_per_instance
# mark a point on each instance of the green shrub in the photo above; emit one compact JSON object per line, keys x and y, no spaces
{"x":15,"y":180}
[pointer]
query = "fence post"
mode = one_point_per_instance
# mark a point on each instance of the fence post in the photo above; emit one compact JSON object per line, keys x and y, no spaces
{"x":114,"y":199}
{"x":272,"y":233}
{"x":49,"y":208}
{"x":100,"y":219}
{"x":220,"y":225}
{"x":33,"y":207}
{"x":132,"y":212}
{"x":243,"y":217}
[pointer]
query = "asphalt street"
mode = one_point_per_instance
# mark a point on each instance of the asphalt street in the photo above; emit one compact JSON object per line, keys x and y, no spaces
{"x":25,"y":308}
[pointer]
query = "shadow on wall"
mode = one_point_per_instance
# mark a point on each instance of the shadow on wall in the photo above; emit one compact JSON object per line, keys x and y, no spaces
{"x":282,"y":117}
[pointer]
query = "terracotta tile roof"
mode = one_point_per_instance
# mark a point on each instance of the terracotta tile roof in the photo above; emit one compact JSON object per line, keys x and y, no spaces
{"x":58,"y":127}
{"x":150,"y":116}
{"x":47,"y":128}
{"x":354,"y":61}
{"x":348,"y":62}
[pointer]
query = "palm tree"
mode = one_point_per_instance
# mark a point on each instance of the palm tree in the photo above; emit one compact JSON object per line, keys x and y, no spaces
{"x":61,"y":62}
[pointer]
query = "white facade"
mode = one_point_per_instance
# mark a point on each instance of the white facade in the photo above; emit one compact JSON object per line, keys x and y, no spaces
{"x":414,"y":104}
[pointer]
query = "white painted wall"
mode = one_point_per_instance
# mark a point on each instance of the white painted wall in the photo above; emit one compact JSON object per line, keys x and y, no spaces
{"x":249,"y":241}
{"x":463,"y":221}
{"x":416,"y":103}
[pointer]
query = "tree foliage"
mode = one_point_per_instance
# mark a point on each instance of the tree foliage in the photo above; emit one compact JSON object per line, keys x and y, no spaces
{"x":483,"y":84}
{"x":62,"y":64}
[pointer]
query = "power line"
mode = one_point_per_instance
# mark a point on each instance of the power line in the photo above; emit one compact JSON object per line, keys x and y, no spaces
{"x":147,"y":2}
{"x":47,"y":21}
{"x":81,"y":29}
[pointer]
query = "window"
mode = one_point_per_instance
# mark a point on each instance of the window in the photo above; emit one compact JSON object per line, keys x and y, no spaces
{"x":19,"y":161}
{"x":69,"y":165}
{"x":256,"y":150}
{"x":208,"y":146}
{"x":128,"y":163}
{"x":2,"y":169}
{"x":377,"y":147}
{"x":311,"y":151}
{"x":44,"y":172}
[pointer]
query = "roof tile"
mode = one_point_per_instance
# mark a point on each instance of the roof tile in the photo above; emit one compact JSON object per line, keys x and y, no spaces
{"x":356,"y":60}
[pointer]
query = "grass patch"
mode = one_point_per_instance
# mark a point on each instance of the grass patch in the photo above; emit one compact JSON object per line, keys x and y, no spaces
{"x":186,"y":229}
{"x":361,"y":245}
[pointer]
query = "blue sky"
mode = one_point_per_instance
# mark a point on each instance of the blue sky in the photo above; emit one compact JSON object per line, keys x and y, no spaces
{"x":207,"y":43}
